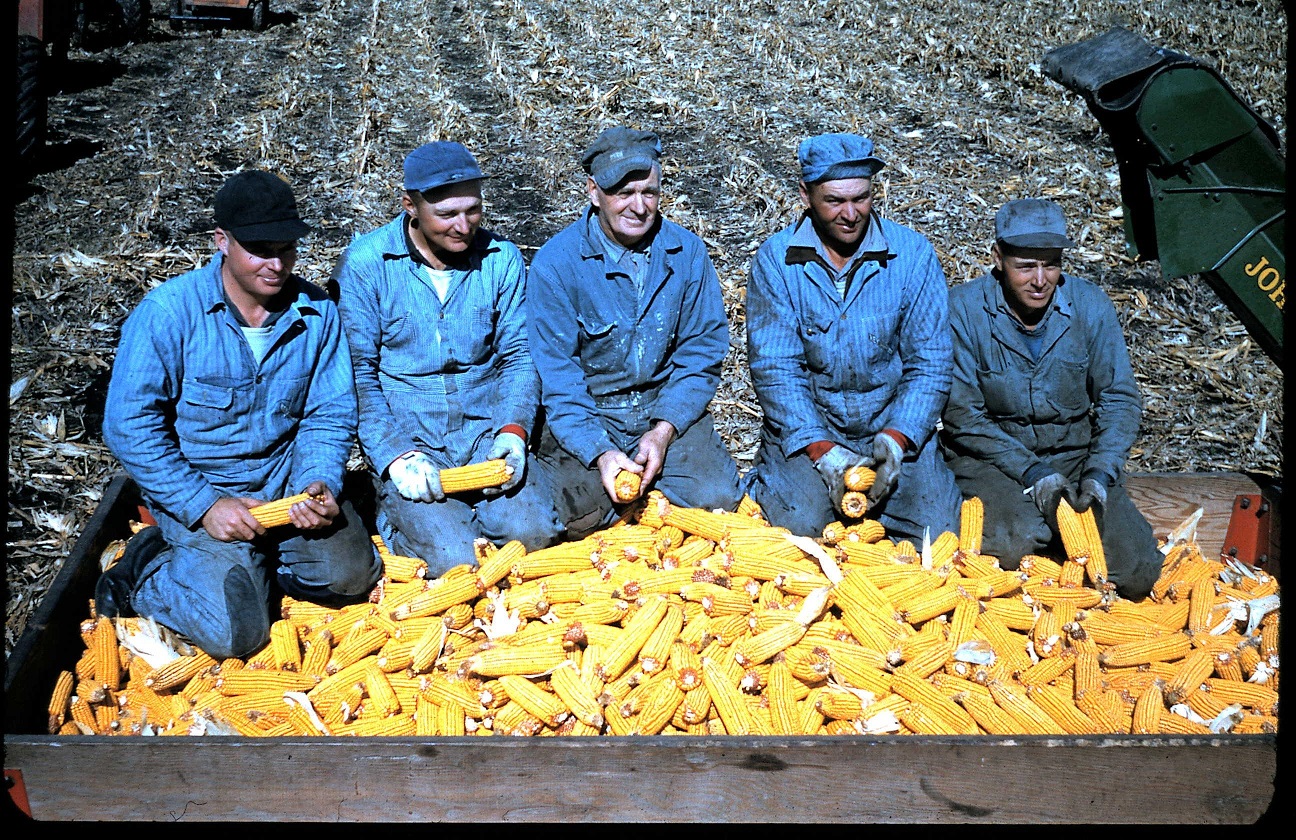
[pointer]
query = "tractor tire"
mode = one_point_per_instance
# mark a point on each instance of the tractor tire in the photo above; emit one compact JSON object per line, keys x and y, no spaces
{"x":32,"y":102}
{"x":260,"y":11}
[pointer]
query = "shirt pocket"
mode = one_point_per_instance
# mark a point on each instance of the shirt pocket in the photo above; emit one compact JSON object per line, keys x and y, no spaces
{"x":819,"y":342}
{"x":289,"y":399}
{"x":1066,"y":386}
{"x":469,"y":337}
{"x":601,"y":345}
{"x":1005,"y":393}
{"x":206,"y":410}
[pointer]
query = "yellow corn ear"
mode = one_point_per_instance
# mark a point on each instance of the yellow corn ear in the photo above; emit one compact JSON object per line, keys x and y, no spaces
{"x":947,"y":713}
{"x":107,"y":658}
{"x":971,"y":525}
{"x":537,"y":702}
{"x":286,"y":646}
{"x":854,"y":504}
{"x":60,"y":701}
{"x":626,"y":485}
{"x":1253,"y":695}
{"x":525,"y":660}
{"x":1031,"y":718}
{"x":477,"y":476}
{"x":987,"y":714}
{"x":1190,"y":675}
{"x":727,"y":697}
{"x":859,"y":478}
{"x":1161,"y":649}
{"x":179,"y":671}
{"x":499,"y":564}
{"x":458,"y":585}
{"x":1148,"y":709}
{"x":663,"y":698}
{"x":273,"y":514}
{"x":260,"y":680}
{"x":1057,"y":703}
{"x":656,"y":651}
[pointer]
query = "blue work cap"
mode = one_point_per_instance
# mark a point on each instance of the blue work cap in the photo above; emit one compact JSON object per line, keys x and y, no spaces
{"x":1031,"y":223}
{"x":440,"y":163}
{"x":832,"y":157}
{"x":617,"y":152}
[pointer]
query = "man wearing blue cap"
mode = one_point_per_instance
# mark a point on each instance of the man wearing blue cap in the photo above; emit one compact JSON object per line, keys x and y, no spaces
{"x":433,"y":309}
{"x":231,"y":388}
{"x":1044,"y":405}
{"x":848,"y":343}
{"x":628,"y":332}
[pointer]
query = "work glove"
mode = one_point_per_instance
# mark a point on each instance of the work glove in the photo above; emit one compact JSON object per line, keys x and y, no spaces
{"x":887,"y":455}
{"x":1047,"y":492}
{"x":512,"y":449}
{"x":1093,"y":494}
{"x":833,"y":466}
{"x":416,"y":477}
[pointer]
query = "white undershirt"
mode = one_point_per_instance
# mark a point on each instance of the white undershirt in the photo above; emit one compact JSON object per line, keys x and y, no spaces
{"x":258,"y":338}
{"x":440,"y":278}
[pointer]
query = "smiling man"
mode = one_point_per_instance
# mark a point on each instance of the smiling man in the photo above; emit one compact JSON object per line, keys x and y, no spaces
{"x":628,"y":332}
{"x":433,"y":308}
{"x":1044,"y":405}
{"x":231,"y":388}
{"x":848,"y":342}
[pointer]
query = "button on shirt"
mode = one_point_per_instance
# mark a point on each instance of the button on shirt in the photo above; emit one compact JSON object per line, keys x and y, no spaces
{"x":194,"y":415}
{"x":633,"y":261}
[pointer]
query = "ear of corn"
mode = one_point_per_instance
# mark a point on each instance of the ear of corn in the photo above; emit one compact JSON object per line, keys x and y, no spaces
{"x":273,"y":514}
{"x":477,"y":476}
{"x":626,"y":485}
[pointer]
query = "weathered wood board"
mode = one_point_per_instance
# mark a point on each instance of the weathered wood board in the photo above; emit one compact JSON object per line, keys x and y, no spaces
{"x":909,"y":779}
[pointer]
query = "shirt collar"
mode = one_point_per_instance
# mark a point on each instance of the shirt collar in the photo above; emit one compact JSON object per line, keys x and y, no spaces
{"x":613,"y":250}
{"x":805,"y":244}
{"x":481,"y":244}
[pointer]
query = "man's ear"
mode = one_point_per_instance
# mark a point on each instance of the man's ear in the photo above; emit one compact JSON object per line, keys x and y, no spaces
{"x":805,"y":194}
{"x":407,"y":203}
{"x":593,"y":190}
{"x":222,"y":241}
{"x":996,"y":254}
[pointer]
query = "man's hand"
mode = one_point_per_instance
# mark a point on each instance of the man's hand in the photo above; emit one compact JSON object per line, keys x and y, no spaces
{"x":887,"y":455}
{"x":416,"y":477}
{"x":1093,"y":494}
{"x":230,"y":521}
{"x":512,"y":449}
{"x":1047,"y":492}
{"x":314,"y":514}
{"x":833,"y":466}
{"x":609,"y":464}
{"x":651,"y":453}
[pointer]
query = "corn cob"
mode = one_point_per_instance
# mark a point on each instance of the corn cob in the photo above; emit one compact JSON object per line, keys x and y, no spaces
{"x":524,"y":661}
{"x":477,"y":476}
{"x":107,"y":658}
{"x":971,"y":525}
{"x":1163,"y":648}
{"x":273,"y":514}
{"x":626,"y":484}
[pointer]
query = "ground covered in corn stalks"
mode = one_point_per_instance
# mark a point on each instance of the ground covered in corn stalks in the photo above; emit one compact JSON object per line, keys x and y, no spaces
{"x":334,"y":93}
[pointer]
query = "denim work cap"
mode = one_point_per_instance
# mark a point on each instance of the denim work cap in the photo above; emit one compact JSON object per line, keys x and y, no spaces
{"x":1031,"y":223}
{"x":439,"y":164}
{"x":617,"y":152}
{"x":832,"y":157}
{"x":257,"y":206}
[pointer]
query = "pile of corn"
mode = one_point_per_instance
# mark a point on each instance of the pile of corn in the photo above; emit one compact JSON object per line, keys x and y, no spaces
{"x":684,"y":621}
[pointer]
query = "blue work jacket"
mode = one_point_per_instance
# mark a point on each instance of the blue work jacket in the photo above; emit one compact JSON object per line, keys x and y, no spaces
{"x":194,"y":417}
{"x":828,"y":368}
{"x":1015,"y":412}
{"x":612,"y":362}
{"x":430,"y":375}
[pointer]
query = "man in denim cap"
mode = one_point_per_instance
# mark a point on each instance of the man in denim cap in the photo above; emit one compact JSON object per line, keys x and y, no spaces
{"x":849,"y":347}
{"x":628,"y":331}
{"x":433,"y":308}
{"x":1044,"y":405}
{"x":232,"y":387}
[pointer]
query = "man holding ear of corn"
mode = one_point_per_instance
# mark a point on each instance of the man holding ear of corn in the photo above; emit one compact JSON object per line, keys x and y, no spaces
{"x":849,"y":348}
{"x":232,"y":388}
{"x":432,"y":304}
{"x":1044,"y":405}
{"x":628,"y":330}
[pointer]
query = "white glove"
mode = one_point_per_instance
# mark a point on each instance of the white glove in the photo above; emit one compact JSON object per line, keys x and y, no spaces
{"x":416,"y":477}
{"x":833,"y":466}
{"x":512,"y":449}
{"x":887,"y":456}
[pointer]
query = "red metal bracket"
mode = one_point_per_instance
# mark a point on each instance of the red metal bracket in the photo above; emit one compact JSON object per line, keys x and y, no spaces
{"x":17,"y":790}
{"x":1247,"y":538}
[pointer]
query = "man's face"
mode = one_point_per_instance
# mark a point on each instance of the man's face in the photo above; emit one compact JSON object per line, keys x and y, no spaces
{"x":840,"y":210}
{"x":258,"y":269}
{"x":628,"y":211}
{"x":1029,"y":278}
{"x":448,"y":218}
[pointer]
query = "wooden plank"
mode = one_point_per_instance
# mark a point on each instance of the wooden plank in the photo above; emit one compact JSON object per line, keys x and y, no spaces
{"x":1228,"y":779}
{"x":1167,"y":499}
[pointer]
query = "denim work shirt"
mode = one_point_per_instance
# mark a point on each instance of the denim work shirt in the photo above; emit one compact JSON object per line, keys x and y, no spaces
{"x":1015,"y":412}
{"x":194,"y":417}
{"x":612,"y":362}
{"x":434,"y":375}
{"x":841,"y":369}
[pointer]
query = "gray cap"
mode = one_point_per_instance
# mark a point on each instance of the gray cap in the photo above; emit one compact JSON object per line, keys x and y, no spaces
{"x":1031,"y":223}
{"x":832,"y":157}
{"x":617,"y":152}
{"x":438,"y":164}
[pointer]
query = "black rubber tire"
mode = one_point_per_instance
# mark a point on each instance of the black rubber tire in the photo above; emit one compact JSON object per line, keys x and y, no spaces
{"x":32,"y":105}
{"x":260,"y":10}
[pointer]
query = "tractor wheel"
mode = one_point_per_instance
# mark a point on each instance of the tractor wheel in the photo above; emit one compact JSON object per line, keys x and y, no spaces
{"x":32,"y":105}
{"x":260,"y":14}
